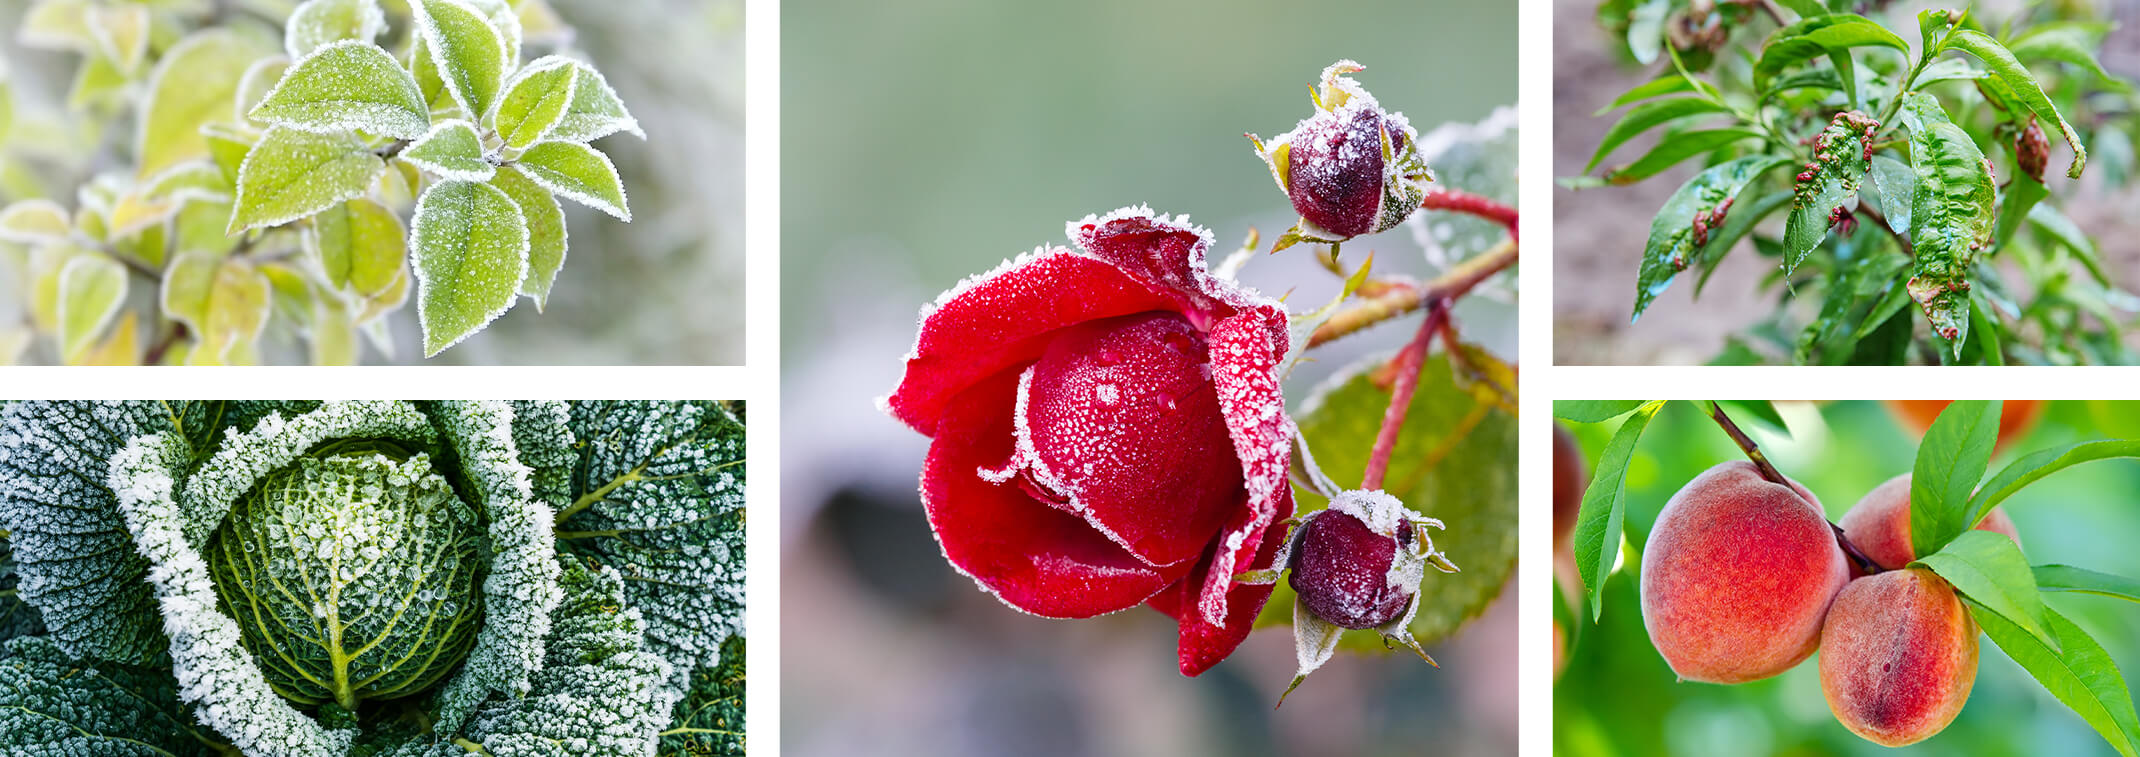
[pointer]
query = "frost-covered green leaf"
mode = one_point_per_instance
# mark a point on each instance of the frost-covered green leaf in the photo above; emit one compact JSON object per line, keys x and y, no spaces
{"x":659,"y":497}
{"x":51,"y":703}
{"x":578,"y":172}
{"x":35,"y":221}
{"x":1951,"y":218}
{"x":291,"y":174}
{"x":709,"y":719}
{"x":547,"y":237}
{"x":225,"y":300}
{"x":470,"y":248}
{"x":193,"y":86}
{"x":535,"y":100}
{"x":121,"y":33}
{"x":361,"y":245}
{"x":595,"y":112}
{"x":346,"y":86}
{"x":469,"y":54}
{"x":317,"y":22}
{"x":452,"y":150}
{"x":90,"y":290}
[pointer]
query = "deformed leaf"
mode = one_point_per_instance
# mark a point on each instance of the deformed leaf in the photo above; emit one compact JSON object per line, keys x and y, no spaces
{"x":1687,"y":219}
{"x":91,"y":288}
{"x":468,"y":53}
{"x":595,"y":111}
{"x":361,"y":245}
{"x":470,"y":247}
{"x":1950,"y":218}
{"x":344,"y":86}
{"x":535,"y":100}
{"x":546,"y":231}
{"x":193,"y":86}
{"x":453,"y":150}
{"x":1842,"y":155}
{"x":578,"y":172}
{"x":291,"y":174}
{"x":2023,"y":84}
{"x":316,"y":23}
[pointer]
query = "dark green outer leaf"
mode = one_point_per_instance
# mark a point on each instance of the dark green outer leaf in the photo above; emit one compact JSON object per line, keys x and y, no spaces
{"x":2017,"y":77}
{"x":1950,"y":462}
{"x":708,"y":721}
{"x":1818,"y":78}
{"x":1988,"y":568}
{"x":2020,"y":197}
{"x":1649,"y":116}
{"x":52,"y":704}
{"x":1673,"y":243}
{"x":1597,"y":527}
{"x":1854,"y":287}
{"x":2069,"y":578}
{"x":2079,"y":673}
{"x":1674,"y":149}
{"x":1839,"y":166}
{"x":1951,"y":216}
{"x":1820,"y":35}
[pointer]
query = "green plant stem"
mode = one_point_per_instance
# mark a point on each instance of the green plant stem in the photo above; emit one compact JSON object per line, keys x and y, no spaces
{"x":1402,"y":299}
{"x":1768,"y":471}
{"x":1409,"y":361}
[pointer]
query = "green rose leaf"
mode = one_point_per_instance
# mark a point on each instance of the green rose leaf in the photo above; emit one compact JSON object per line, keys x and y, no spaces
{"x":452,"y":150}
{"x":578,"y":172}
{"x":345,"y":86}
{"x":291,"y":174}
{"x":470,"y":246}
{"x":546,"y":231}
{"x":535,"y":100}
{"x":361,"y":245}
{"x":468,"y":53}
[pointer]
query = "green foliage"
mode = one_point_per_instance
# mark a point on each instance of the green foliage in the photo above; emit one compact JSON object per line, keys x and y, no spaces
{"x":709,"y":719}
{"x":290,"y":182}
{"x":1850,"y":98}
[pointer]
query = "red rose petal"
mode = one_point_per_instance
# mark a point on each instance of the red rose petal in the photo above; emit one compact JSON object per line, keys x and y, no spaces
{"x":1121,"y":419}
{"x":1169,"y":253}
{"x":1202,"y":644}
{"x":1001,"y":319}
{"x":1246,"y":351}
{"x":1032,"y":556}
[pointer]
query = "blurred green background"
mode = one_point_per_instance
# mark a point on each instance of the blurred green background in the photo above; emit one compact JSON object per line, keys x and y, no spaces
{"x":1617,"y":696}
{"x":923,"y":142}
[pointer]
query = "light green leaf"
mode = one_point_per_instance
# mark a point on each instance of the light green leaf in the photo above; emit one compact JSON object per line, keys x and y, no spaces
{"x":58,"y":25}
{"x":91,"y":288}
{"x":361,"y":245}
{"x":2036,"y":465}
{"x":193,"y":86}
{"x":2072,"y":45}
{"x":2017,"y":78}
{"x":595,"y":111}
{"x":1657,"y":87}
{"x":345,"y":86}
{"x":35,"y":221}
{"x":291,"y":174}
{"x":334,"y":334}
{"x":1950,"y":461}
{"x":227,"y":302}
{"x":317,"y":22}
{"x":121,"y":33}
{"x":546,"y":231}
{"x":1817,"y":36}
{"x":2069,"y":578}
{"x":452,"y":150}
{"x":1839,"y":165}
{"x":468,"y":53}
{"x":1593,"y":411}
{"x":535,"y":100}
{"x":1988,"y":568}
{"x":578,"y":172}
{"x":471,"y":252}
{"x":1598,"y":524}
{"x":1951,"y":217}
{"x":1896,"y":183}
{"x":1676,"y":148}
{"x":2077,"y":671}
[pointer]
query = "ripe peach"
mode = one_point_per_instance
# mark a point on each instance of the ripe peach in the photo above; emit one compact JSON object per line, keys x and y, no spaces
{"x":1570,"y":477}
{"x":1898,"y":656}
{"x":1879,"y":524}
{"x":1737,"y":575}
{"x":2016,"y":417}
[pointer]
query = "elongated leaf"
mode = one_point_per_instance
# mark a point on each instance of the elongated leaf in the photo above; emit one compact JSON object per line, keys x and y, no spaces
{"x":1597,"y":528}
{"x":1738,"y":223}
{"x":2069,"y":578}
{"x":193,"y":86}
{"x":1648,"y":116}
{"x":452,"y":150}
{"x":1683,"y":225}
{"x":291,"y":174}
{"x":1763,"y":411}
{"x":1593,"y":411}
{"x":535,"y":100}
{"x":1658,"y":87}
{"x":1951,"y":215}
{"x":1818,"y":78}
{"x":361,"y":245}
{"x":1950,"y":462}
{"x":2071,"y":45}
{"x":2017,"y":78}
{"x":578,"y":172}
{"x":2020,"y":197}
{"x":468,"y":53}
{"x":1841,"y":159}
{"x":1949,"y":69}
{"x":1674,"y":149}
{"x":2036,"y":465}
{"x":1988,"y":568}
{"x":1817,"y":36}
{"x":91,"y":288}
{"x":2078,"y":672}
{"x":345,"y":86}
{"x":546,"y":231}
{"x":470,"y":247}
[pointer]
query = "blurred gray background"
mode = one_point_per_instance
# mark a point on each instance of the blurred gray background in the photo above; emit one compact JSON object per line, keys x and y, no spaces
{"x":927,"y":141}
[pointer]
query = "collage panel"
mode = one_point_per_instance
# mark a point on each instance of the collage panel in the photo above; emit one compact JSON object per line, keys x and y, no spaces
{"x":1817,"y":578}
{"x":1069,"y":473}
{"x":311,"y":579}
{"x":344,"y":182}
{"x":1804,"y":182}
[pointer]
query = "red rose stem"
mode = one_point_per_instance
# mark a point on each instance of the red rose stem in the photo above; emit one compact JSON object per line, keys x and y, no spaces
{"x":1409,"y":362}
{"x":1465,"y":202}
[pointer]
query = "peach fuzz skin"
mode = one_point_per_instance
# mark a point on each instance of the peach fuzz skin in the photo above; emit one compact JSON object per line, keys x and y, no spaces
{"x":1737,"y":576}
{"x":1898,"y":656}
{"x":1879,"y":524}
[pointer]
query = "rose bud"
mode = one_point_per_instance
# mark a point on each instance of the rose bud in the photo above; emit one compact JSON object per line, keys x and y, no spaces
{"x":1355,"y":566}
{"x":1108,"y":430}
{"x":1350,"y":168}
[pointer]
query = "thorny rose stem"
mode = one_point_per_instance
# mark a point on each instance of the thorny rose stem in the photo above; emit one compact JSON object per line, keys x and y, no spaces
{"x":1768,"y":471}
{"x":1409,"y":361}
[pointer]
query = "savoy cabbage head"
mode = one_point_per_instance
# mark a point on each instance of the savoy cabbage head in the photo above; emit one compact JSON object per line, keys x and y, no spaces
{"x":371,"y":578}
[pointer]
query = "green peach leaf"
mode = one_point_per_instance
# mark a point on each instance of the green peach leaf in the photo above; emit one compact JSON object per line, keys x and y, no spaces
{"x":291,"y":174}
{"x":578,"y":172}
{"x":470,"y":247}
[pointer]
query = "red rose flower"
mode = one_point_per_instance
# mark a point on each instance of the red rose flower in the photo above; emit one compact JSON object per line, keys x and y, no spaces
{"x":1108,"y":430}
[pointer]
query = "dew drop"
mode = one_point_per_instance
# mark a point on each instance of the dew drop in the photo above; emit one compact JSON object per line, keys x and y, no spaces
{"x":1168,"y":402}
{"x":1107,"y":357}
